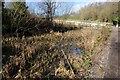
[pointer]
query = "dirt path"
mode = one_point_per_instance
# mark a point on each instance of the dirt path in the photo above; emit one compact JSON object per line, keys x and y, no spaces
{"x":106,"y":62}
{"x":112,"y":69}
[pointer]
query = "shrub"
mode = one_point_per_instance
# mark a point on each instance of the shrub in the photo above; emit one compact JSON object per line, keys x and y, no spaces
{"x":116,"y":21}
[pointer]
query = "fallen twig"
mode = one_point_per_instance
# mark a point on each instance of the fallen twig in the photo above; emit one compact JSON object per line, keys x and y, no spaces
{"x":68,"y":62}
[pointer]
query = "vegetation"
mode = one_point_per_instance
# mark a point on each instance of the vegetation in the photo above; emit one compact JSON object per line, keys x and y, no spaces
{"x":33,"y":47}
{"x":41,"y":56}
{"x":116,"y":21}
{"x":99,"y":11}
{"x":13,"y":19}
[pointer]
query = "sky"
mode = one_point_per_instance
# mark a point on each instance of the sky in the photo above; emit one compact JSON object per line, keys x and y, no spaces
{"x":76,"y":4}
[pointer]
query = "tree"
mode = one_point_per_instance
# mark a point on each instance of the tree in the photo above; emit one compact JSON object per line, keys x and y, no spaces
{"x":48,"y":8}
{"x":106,"y":11}
{"x":18,"y":14}
{"x":15,"y":17}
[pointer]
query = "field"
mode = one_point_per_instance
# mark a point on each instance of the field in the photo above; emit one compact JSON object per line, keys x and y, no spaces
{"x":69,"y":54}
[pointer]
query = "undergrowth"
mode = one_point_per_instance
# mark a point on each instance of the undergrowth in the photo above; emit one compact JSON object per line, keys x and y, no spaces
{"x":41,"y":56}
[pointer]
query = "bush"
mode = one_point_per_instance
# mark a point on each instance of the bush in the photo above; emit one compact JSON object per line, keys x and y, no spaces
{"x":116,"y":21}
{"x":14,"y":18}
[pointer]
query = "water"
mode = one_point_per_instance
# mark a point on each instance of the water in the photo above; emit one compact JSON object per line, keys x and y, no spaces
{"x":78,"y":51}
{"x":70,"y":48}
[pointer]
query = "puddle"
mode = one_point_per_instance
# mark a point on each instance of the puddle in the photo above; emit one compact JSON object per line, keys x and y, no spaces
{"x":69,"y":47}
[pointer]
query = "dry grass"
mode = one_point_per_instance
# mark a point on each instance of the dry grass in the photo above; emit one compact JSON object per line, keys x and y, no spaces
{"x":40,"y":56}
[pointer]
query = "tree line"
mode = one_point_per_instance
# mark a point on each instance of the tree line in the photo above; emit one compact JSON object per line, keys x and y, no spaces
{"x":102,"y":11}
{"x":18,"y":21}
{"x":97,"y":11}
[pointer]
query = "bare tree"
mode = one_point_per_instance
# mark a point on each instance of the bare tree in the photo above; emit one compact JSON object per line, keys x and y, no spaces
{"x":47,"y":8}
